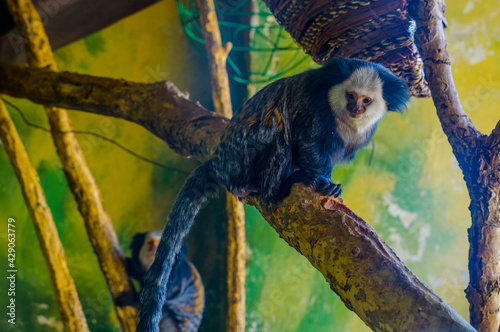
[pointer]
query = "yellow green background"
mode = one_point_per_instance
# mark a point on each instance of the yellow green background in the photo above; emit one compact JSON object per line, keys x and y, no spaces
{"x":413,"y":192}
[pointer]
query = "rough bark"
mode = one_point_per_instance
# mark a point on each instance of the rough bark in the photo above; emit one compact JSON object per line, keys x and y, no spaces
{"x":429,"y":37}
{"x":67,"y":298}
{"x":366,"y":274}
{"x":236,"y":242}
{"x":359,"y":266}
{"x":483,"y":291}
{"x":479,"y":159}
{"x":194,"y":132}
{"x":81,"y":182}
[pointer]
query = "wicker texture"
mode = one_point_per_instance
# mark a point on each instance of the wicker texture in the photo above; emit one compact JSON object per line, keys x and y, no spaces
{"x":376,"y":30}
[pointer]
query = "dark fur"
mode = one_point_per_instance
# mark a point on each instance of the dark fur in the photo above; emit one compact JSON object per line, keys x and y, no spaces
{"x":285,"y":134}
{"x":185,"y":299}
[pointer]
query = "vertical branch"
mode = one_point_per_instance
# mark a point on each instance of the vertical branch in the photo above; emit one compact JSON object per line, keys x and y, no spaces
{"x":479,"y":159}
{"x":217,"y":56}
{"x":45,"y":228}
{"x":236,"y":245}
{"x":81,"y":182}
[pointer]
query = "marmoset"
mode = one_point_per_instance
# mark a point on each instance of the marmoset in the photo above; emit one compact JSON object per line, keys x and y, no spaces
{"x":293,"y":130}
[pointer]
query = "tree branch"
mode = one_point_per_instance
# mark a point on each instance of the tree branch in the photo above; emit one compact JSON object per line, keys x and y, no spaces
{"x":479,"y":160}
{"x":64,"y":287}
{"x":494,"y":138}
{"x":80,"y":180}
{"x":236,"y":240}
{"x":194,"y":132}
{"x":366,"y":274}
{"x":431,"y":42}
{"x":359,"y":266}
{"x":217,"y":56}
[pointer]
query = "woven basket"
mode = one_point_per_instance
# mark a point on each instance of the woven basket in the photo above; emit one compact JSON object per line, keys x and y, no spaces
{"x":375,"y":30}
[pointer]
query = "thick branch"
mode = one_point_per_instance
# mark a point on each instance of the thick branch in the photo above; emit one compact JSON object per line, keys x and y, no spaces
{"x":67,"y":298}
{"x":494,"y":138}
{"x":359,"y":266}
{"x":483,"y":291}
{"x":366,"y":274}
{"x":80,"y":180}
{"x":194,"y":132}
{"x":479,"y":159}
{"x":236,"y":240}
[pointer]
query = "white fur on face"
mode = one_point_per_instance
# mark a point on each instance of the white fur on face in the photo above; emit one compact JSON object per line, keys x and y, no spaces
{"x":364,"y":81}
{"x":148,"y":250}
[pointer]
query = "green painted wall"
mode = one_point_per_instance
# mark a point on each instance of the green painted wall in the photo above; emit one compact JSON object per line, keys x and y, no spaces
{"x":149,"y":46}
{"x":413,"y":193}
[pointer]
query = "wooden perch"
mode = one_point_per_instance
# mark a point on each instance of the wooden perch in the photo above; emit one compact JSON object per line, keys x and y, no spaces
{"x":194,"y":132}
{"x":366,"y":274}
{"x":358,"y":265}
{"x":479,"y":159}
{"x":81,"y":182}
{"x":66,"y":296}
{"x":461,"y":132}
{"x":236,"y":241}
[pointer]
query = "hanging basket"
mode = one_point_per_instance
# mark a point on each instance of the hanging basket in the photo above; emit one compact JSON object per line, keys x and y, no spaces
{"x":376,"y":30}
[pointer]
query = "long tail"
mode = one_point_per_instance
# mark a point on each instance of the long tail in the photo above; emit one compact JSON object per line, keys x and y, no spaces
{"x":198,"y":187}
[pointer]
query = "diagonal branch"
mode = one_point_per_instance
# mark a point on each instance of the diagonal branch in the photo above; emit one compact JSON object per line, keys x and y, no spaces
{"x":80,"y":179}
{"x":64,"y":287}
{"x":366,"y":274}
{"x":357,"y":264}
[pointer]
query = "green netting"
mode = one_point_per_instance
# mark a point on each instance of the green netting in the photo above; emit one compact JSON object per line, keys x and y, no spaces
{"x":252,"y":29}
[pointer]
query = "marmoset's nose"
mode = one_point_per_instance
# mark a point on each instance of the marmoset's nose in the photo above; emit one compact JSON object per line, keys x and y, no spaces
{"x":356,"y":108}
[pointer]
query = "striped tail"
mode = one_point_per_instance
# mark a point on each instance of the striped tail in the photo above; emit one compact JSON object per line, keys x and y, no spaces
{"x":199,"y":186}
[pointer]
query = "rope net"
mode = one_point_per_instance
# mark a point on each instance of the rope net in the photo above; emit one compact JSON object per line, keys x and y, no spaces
{"x":257,"y":39}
